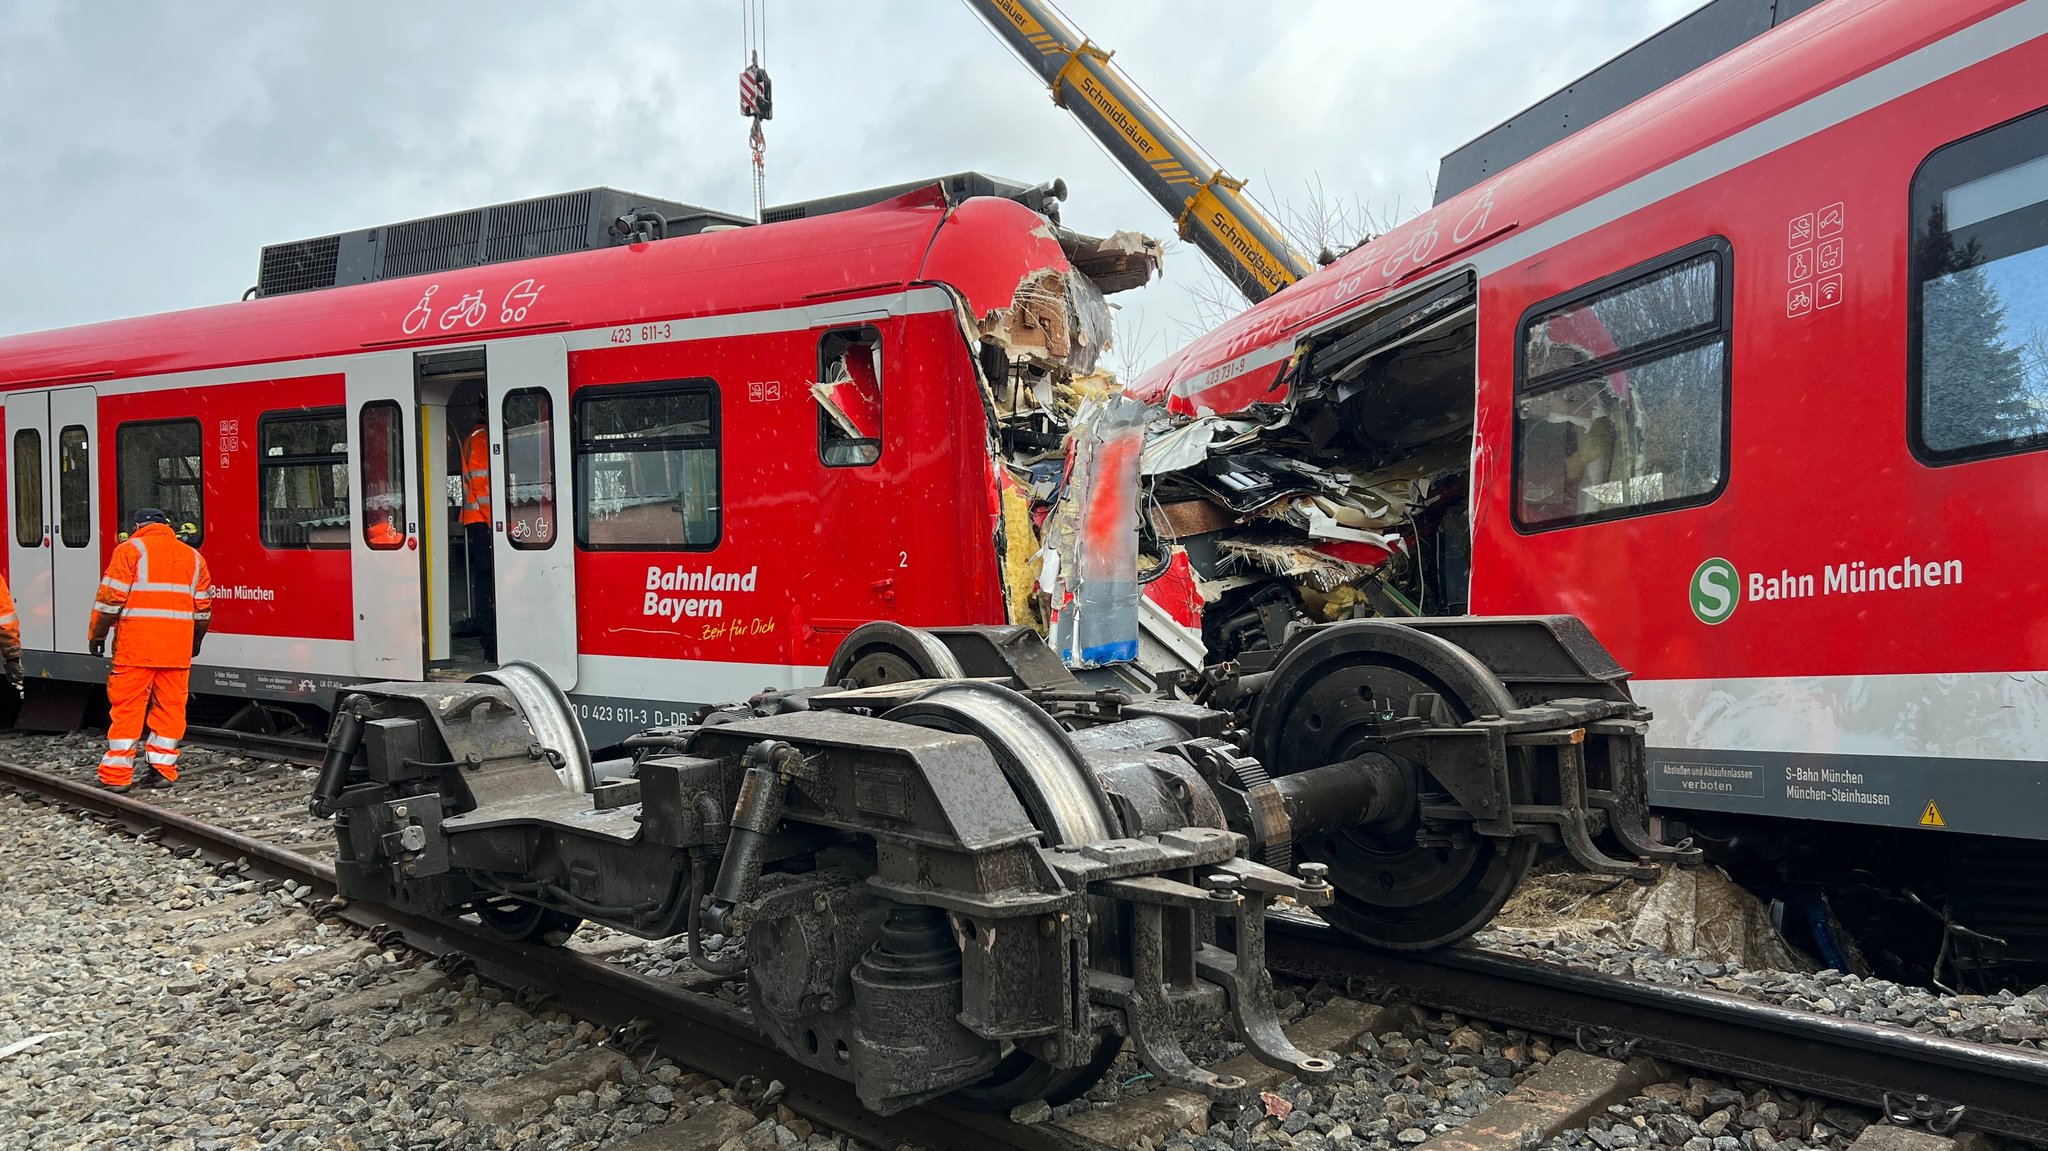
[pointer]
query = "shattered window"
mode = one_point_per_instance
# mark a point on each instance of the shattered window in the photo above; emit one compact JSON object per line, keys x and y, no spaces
{"x":1622,"y":401}
{"x":849,"y":396}
{"x":1979,"y":362}
{"x":647,"y":467}
{"x":303,"y":479}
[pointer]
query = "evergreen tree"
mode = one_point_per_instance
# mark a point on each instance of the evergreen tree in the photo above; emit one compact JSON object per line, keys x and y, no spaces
{"x":1973,"y":378}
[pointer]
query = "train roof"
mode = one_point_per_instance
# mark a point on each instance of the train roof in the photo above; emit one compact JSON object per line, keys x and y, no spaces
{"x":991,"y":246}
{"x":1704,"y":34}
{"x":1816,"y":52}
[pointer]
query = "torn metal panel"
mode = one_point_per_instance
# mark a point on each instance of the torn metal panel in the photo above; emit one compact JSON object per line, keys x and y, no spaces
{"x":1094,"y":581}
{"x":1057,"y":318}
{"x":1116,"y":262}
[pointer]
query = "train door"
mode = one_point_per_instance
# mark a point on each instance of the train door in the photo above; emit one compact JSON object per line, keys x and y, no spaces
{"x":74,"y":554}
{"x":386,"y":510}
{"x":29,"y":570}
{"x":527,"y":400}
{"x":53,"y":567}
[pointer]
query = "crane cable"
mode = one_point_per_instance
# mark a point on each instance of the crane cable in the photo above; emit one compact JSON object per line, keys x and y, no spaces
{"x":756,"y":94}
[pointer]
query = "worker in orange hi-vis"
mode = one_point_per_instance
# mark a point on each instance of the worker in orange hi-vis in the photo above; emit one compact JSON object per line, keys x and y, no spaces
{"x":157,"y":597}
{"x":10,"y":637}
{"x":476,"y":527}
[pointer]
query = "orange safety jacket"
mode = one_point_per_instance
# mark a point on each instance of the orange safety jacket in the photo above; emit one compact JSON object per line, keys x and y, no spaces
{"x":156,"y":591}
{"x":476,"y":478}
{"x":10,"y":625}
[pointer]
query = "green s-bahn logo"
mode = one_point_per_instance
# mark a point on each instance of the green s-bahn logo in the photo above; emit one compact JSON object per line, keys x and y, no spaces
{"x":1716,"y":589}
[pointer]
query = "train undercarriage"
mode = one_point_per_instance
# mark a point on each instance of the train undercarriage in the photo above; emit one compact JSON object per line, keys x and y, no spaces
{"x":957,"y":871}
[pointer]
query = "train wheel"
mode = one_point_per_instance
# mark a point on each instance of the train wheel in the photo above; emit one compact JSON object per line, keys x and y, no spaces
{"x":523,"y":922}
{"x":1328,"y":696}
{"x":1067,"y":802}
{"x":883,"y":652}
{"x":548,"y":713}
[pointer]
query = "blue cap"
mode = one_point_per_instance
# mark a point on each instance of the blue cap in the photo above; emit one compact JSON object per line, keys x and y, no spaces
{"x":150,"y":516}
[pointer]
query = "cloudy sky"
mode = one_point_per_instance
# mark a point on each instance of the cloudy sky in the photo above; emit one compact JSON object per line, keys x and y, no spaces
{"x":148,"y":151}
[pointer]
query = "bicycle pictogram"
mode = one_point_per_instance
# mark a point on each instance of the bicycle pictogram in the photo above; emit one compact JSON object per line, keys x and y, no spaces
{"x":469,"y":311}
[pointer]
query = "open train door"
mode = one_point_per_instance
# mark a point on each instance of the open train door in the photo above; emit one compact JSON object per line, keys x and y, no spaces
{"x":384,"y":513}
{"x":528,"y":387}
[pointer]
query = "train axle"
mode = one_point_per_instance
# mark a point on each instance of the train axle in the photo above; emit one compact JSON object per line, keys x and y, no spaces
{"x":980,"y":887}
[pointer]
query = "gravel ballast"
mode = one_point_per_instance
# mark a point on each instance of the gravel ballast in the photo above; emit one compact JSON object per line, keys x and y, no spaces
{"x":153,"y":1004}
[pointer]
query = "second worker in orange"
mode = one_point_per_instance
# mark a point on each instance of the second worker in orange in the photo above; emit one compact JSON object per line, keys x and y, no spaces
{"x":157,"y":598}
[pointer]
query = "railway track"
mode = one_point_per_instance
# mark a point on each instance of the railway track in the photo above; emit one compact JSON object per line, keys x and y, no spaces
{"x":695,"y":1029}
{"x":282,"y":747}
{"x":1999,"y":1089}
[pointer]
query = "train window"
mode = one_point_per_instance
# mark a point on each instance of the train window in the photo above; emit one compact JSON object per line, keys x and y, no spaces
{"x":530,"y":520}
{"x":28,"y":488}
{"x":647,"y":467}
{"x":158,"y":467}
{"x":302,"y":479}
{"x":74,"y":487}
{"x":383,"y":443}
{"x":849,"y":396}
{"x":1621,"y":403}
{"x":1977,"y":365}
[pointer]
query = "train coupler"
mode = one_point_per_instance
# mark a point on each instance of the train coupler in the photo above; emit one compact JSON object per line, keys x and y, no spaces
{"x":1563,"y":772}
{"x":1173,"y":972}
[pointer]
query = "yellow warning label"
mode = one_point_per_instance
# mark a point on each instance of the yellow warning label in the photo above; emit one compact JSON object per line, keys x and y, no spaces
{"x":1932,"y":816}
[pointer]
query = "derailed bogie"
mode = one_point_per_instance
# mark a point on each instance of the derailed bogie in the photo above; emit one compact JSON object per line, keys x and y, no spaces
{"x":954,"y":886}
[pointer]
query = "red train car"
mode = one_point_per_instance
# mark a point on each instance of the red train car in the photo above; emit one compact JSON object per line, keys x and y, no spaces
{"x":1751,"y":376}
{"x":679,"y":519}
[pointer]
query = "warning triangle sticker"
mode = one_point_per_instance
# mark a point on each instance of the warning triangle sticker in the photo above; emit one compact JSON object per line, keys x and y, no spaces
{"x":1932,"y":816}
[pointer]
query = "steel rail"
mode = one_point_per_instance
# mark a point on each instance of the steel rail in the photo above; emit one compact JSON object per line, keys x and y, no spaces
{"x":302,"y":751}
{"x":695,"y":1029}
{"x":2002,"y":1090}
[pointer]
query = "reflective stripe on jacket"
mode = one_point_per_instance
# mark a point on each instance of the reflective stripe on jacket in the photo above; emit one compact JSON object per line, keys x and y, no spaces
{"x":155,"y":590}
{"x":476,"y":478}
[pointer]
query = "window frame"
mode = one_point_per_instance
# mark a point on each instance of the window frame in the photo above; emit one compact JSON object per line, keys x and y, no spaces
{"x":124,"y":515}
{"x":1723,"y":252}
{"x":42,"y":520}
{"x":362,"y":478}
{"x":85,"y":478}
{"x":554,"y":465}
{"x":265,"y":464}
{"x":579,"y":446}
{"x":1951,"y":152}
{"x":880,"y":438}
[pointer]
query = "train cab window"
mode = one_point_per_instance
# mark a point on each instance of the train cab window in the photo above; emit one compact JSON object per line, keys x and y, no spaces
{"x":74,"y":487}
{"x":1621,"y":404}
{"x":28,"y":488}
{"x":302,"y":478}
{"x":385,"y":516}
{"x":647,"y":467}
{"x":530,"y":520}
{"x":1977,"y":367}
{"x":158,"y":467}
{"x":849,"y":396}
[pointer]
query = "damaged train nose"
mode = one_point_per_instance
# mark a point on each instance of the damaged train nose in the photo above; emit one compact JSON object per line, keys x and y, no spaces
{"x":979,"y":887}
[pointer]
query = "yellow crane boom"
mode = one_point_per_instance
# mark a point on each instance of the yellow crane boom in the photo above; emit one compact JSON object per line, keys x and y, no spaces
{"x":1209,"y":207}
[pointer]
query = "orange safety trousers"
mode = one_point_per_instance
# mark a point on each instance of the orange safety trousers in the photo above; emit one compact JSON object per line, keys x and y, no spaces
{"x":138,"y":694}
